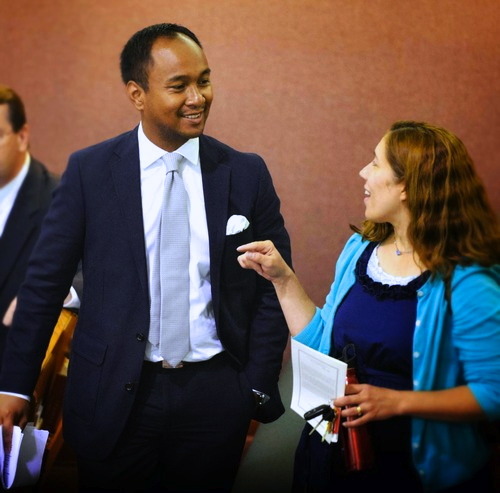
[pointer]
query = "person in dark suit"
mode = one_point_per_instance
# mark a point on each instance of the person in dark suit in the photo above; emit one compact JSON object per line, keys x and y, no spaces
{"x":135,"y":422}
{"x":26,"y":188}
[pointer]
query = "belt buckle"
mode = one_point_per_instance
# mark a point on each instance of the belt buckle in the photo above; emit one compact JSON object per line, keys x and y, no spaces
{"x":166,"y":364}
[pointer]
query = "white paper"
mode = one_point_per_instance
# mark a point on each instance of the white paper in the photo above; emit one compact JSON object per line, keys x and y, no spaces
{"x":22,"y":465}
{"x":317,"y":379}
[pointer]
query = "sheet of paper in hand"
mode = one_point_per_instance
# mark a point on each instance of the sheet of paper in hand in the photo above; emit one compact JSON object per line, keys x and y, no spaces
{"x":318,"y":379}
{"x":22,"y":464}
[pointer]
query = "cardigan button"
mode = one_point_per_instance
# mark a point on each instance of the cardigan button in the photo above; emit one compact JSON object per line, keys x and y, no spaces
{"x":140,"y":337}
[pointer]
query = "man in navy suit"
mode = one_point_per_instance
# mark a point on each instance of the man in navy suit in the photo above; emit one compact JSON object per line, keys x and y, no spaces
{"x":135,"y":423}
{"x":26,"y":188}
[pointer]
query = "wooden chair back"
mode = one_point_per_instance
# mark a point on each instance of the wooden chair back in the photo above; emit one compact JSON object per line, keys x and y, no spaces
{"x":49,"y":390}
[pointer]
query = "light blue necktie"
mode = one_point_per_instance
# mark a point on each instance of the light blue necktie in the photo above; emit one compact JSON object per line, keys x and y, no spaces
{"x":173,"y":268}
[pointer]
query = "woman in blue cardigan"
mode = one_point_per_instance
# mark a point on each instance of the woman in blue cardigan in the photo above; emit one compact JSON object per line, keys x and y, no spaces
{"x":417,"y":295}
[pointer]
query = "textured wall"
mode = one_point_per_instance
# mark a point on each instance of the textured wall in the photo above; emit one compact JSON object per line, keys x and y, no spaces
{"x":311,"y":85}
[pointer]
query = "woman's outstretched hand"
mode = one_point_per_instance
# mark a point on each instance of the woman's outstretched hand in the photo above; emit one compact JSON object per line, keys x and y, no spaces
{"x":264,"y":258}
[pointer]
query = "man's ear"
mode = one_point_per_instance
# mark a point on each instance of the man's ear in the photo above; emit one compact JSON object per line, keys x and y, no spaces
{"x":23,"y":137}
{"x":136,"y":94}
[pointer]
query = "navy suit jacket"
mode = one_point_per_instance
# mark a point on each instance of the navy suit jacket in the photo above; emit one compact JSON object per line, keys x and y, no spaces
{"x":20,"y":234}
{"x":96,"y":216}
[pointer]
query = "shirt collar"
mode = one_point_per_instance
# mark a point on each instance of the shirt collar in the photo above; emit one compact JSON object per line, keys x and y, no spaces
{"x":149,"y":153}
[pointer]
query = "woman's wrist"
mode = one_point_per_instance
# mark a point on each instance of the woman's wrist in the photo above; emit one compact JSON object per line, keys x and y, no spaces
{"x":285,"y":280}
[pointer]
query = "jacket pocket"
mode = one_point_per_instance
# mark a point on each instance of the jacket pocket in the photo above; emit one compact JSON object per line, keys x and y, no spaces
{"x":84,"y":375}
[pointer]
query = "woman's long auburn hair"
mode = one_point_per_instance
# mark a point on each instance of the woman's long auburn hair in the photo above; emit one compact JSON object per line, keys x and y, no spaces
{"x":451,"y":220}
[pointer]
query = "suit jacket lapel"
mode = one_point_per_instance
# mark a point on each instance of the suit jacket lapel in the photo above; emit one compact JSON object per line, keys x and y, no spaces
{"x":215,"y":174}
{"x":127,"y":181}
{"x":21,"y":222}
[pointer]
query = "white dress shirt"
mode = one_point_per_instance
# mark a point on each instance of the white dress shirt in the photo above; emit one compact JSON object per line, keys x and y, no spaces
{"x":204,"y":342}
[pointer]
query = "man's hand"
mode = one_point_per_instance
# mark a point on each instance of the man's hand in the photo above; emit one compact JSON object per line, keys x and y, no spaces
{"x":13,"y":411}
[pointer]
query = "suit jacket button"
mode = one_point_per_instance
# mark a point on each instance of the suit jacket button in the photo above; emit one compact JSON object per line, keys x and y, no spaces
{"x":129,"y":386}
{"x":140,"y":337}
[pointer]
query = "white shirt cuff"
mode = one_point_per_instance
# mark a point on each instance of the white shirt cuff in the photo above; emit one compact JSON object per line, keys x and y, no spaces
{"x":25,"y":397}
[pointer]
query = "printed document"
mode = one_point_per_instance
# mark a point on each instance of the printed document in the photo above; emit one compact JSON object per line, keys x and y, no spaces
{"x":317,"y":379}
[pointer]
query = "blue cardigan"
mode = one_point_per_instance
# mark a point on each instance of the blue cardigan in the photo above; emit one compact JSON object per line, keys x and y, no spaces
{"x":454,"y":344}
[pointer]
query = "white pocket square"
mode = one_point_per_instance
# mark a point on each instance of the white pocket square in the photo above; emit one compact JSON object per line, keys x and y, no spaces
{"x":236,"y":224}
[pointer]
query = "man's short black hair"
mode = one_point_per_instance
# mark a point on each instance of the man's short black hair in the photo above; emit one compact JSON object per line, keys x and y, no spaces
{"x":17,"y":115}
{"x":135,"y":59}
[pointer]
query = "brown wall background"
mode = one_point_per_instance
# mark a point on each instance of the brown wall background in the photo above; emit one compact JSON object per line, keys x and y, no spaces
{"x":311,"y":85}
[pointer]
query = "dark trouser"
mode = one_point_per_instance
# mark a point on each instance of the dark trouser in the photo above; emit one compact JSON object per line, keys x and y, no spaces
{"x":186,"y":432}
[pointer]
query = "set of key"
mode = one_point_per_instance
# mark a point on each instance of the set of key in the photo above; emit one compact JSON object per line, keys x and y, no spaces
{"x":329,"y":414}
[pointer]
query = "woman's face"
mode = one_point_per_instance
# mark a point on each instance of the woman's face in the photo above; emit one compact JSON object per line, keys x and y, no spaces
{"x":384,"y":195}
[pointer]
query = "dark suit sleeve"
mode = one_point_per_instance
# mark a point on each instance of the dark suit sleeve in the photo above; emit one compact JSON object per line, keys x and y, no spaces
{"x":269,"y":332}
